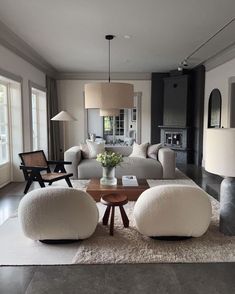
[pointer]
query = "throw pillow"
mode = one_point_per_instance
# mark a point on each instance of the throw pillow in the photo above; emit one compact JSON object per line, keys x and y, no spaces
{"x":139,"y":150}
{"x":153,"y":150}
{"x":95,"y":148}
{"x":85,"y":151}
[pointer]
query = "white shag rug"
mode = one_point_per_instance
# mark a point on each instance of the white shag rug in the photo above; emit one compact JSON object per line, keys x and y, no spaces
{"x":126,"y":246}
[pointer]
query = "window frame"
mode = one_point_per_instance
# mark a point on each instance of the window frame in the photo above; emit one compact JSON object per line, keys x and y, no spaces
{"x":118,"y":128}
{"x":37,"y":116}
{"x":8,"y":106}
{"x":16,"y":131}
{"x":35,"y":86}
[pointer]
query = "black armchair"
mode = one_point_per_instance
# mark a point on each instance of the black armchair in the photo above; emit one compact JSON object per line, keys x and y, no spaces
{"x":36,"y":167}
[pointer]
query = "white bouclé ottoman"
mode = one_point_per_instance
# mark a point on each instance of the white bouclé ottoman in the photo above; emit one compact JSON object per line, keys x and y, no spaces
{"x":173,"y":210}
{"x":57,"y":213}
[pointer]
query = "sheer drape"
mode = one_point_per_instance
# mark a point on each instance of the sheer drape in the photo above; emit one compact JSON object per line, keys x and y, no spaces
{"x":53,"y":126}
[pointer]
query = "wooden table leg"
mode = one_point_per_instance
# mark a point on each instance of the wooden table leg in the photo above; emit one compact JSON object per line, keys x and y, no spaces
{"x":112,"y":221}
{"x":106,"y":215}
{"x":124,"y":217}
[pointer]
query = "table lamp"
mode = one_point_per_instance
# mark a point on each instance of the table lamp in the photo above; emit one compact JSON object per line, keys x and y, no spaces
{"x":220,"y":160}
{"x":63,"y":116}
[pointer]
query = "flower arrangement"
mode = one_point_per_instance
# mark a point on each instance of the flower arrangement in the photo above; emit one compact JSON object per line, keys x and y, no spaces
{"x":109,"y":159}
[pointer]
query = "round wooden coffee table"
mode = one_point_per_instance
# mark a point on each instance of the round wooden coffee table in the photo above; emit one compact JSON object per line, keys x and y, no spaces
{"x":112,"y":200}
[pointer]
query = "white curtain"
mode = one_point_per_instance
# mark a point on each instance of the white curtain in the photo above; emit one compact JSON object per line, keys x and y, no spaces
{"x":16,"y":145}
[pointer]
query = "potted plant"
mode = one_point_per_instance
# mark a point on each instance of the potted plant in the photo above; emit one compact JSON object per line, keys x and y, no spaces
{"x":109,"y":160}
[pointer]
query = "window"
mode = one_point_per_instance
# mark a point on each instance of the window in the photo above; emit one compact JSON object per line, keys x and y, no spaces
{"x":119,"y":124}
{"x":39,"y":120}
{"x":4,"y":124}
{"x":11,"y":131}
{"x":35,"y":119}
{"x":133,"y":114}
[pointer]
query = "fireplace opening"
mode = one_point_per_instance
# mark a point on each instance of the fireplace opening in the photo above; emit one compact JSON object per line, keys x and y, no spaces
{"x":173,"y":139}
{"x":177,"y":138}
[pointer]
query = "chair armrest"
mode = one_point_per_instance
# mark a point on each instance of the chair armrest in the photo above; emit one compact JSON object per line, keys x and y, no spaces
{"x":166,"y":157}
{"x":58,"y":162}
{"x":35,"y":168}
{"x":73,"y":155}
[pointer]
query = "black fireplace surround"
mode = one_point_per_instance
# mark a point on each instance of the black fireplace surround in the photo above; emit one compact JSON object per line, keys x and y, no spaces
{"x":177,"y":110}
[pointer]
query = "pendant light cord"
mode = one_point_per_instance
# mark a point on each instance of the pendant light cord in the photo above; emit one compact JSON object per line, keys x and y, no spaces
{"x":109,"y":38}
{"x":109,"y":61}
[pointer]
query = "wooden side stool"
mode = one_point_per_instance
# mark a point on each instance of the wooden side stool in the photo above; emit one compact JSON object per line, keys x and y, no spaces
{"x":112,"y":200}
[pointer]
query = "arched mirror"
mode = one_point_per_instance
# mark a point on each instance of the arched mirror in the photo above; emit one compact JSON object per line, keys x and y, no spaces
{"x":214,"y":109}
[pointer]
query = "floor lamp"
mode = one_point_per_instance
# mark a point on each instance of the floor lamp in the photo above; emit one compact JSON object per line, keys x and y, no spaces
{"x":220,"y":160}
{"x":63,"y":116}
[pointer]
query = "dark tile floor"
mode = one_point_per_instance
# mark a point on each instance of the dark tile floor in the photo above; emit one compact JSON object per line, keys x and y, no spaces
{"x":129,"y":278}
{"x":205,"y":278}
{"x":209,"y":182}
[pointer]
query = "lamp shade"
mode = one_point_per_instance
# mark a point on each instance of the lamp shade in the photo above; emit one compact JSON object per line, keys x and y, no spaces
{"x":220,"y":152}
{"x":63,"y":116}
{"x":109,"y":95}
{"x":109,"y":112}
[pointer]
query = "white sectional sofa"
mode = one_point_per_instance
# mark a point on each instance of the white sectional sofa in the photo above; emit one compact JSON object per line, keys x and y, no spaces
{"x":145,"y":168}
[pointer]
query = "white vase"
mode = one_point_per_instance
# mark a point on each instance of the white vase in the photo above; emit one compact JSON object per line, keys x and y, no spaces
{"x":108,"y":178}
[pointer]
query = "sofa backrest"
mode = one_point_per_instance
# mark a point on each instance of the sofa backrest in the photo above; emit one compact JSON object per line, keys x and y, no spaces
{"x":124,"y":150}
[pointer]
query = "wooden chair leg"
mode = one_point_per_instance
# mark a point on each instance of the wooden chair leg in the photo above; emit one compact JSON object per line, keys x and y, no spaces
{"x":39,"y":179}
{"x":112,"y":221}
{"x":28,"y":184}
{"x":124,"y":217}
{"x":41,"y":183}
{"x":68,"y":182}
{"x":106,"y":215}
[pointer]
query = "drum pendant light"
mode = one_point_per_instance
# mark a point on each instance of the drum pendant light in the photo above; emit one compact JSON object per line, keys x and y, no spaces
{"x":109,"y":96}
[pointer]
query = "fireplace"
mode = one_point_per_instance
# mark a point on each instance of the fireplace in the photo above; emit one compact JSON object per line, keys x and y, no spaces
{"x":176,"y":138}
{"x":173,"y":139}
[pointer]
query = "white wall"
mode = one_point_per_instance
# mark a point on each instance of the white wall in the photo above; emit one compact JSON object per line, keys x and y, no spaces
{"x":18,"y":66}
{"x":71,"y":99}
{"x":219,"y":78}
{"x":94,"y":122}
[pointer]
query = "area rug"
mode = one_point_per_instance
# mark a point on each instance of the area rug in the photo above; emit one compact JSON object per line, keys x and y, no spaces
{"x":126,"y":246}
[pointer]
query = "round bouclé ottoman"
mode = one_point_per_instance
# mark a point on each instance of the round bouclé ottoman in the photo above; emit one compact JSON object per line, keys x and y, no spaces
{"x":57,"y":213}
{"x":173,"y":210}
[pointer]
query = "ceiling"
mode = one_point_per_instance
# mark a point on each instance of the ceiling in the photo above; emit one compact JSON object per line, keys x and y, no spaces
{"x":69,"y":34}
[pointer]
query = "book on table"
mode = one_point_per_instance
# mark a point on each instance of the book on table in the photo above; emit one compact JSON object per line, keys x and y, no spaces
{"x":129,"y":180}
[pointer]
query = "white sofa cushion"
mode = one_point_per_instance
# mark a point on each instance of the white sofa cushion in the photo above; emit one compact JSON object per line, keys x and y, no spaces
{"x":139,"y":150}
{"x":95,"y":148}
{"x":173,"y":210}
{"x":57,"y":213}
{"x":152,"y":151}
{"x":85,"y":151}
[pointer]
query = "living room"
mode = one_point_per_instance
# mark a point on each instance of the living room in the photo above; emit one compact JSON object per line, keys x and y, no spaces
{"x":127,"y":109}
